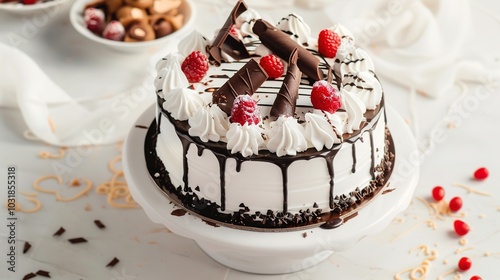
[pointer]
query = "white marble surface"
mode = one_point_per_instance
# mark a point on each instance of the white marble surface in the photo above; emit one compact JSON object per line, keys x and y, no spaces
{"x":146,"y":251}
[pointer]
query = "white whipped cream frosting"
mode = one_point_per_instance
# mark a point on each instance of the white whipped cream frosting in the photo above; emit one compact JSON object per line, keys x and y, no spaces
{"x":295,"y":26}
{"x":343,"y":32}
{"x":182,"y":103}
{"x":365,"y":86}
{"x":245,"y":139}
{"x":355,"y":109}
{"x":286,"y":137}
{"x":209,"y":123}
{"x":323,"y":129}
{"x":169,"y":76}
{"x":193,"y":42}
{"x":245,"y":23}
{"x":356,"y":60}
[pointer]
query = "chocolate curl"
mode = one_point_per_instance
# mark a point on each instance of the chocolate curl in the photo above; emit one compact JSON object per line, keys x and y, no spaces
{"x":227,"y":42}
{"x":282,"y":45}
{"x":246,"y":81}
{"x":286,"y":100}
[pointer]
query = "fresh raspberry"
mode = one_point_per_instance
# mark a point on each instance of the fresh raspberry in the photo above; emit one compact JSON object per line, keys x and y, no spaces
{"x":28,"y":2}
{"x":481,"y":173}
{"x":195,"y":66}
{"x":464,"y":264}
{"x":245,"y":110}
{"x":438,"y":193}
{"x":233,"y":30}
{"x":325,"y":97}
{"x":114,"y":31}
{"x":328,"y":43}
{"x":272,"y":65}
{"x":94,"y":20}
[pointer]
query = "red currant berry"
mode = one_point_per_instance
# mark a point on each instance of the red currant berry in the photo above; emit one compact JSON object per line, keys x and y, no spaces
{"x":455,"y":204}
{"x":438,"y":193}
{"x":481,"y":173}
{"x":464,"y":263}
{"x":461,"y":228}
{"x":475,"y":277}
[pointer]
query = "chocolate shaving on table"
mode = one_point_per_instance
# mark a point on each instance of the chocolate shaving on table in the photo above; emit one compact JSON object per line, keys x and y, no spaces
{"x":77,"y":240}
{"x":113,"y":262}
{"x":26,"y":247}
{"x":59,"y":232}
{"x":43,"y":273}
{"x":286,"y":100}
{"x":227,"y":42}
{"x":99,"y":224}
{"x":282,"y":45}
{"x":246,"y":81}
{"x":29,"y":276}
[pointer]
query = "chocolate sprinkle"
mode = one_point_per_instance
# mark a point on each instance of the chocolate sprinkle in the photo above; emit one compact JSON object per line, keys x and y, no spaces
{"x":29,"y":276}
{"x":59,"y":232}
{"x":99,"y":224}
{"x":179,"y":212}
{"x":26,"y":247}
{"x":43,"y":273}
{"x":77,"y":240}
{"x":113,"y":262}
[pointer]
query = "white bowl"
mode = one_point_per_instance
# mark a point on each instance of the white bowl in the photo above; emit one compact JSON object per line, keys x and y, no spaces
{"x":187,"y":8}
{"x":20,"y":9}
{"x":273,"y":252}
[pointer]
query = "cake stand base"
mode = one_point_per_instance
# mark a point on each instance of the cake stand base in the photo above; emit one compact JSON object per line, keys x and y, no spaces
{"x":274,"y":252}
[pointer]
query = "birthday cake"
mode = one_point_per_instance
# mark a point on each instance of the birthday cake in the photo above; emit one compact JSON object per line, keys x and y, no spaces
{"x":269,"y":126}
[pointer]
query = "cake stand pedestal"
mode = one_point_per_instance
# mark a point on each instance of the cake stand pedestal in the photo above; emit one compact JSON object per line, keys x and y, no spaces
{"x":274,"y":252}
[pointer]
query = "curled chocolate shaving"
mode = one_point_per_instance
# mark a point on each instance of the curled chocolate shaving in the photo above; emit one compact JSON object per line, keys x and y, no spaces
{"x":286,"y":100}
{"x":59,"y":232}
{"x":282,"y":45}
{"x":77,"y":240}
{"x":29,"y":276}
{"x":246,"y":81}
{"x":99,"y":224}
{"x":227,"y":42}
{"x":113,"y":262}
{"x":26,"y":247}
{"x":43,"y":273}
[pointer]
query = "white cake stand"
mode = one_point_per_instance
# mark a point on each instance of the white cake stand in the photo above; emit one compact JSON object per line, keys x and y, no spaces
{"x":274,"y":252}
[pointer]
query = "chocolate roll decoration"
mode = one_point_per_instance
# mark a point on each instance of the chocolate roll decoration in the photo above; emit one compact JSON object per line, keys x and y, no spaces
{"x":282,"y":45}
{"x":246,"y":81}
{"x":286,"y":100}
{"x":227,"y":42}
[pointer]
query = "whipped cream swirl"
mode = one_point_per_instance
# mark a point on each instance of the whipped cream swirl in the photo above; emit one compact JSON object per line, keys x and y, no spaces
{"x":344,"y":33}
{"x":181,"y":103}
{"x":296,"y":27}
{"x":245,"y":23}
{"x":170,"y":76}
{"x":286,"y":137}
{"x":356,"y":60}
{"x":355,"y":109}
{"x":193,"y":42}
{"x":209,"y":123}
{"x":245,"y":139}
{"x":323,"y":129}
{"x":365,"y":86}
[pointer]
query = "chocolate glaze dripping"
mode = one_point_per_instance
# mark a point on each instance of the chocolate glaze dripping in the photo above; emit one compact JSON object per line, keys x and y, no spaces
{"x":227,"y":42}
{"x":246,"y":81}
{"x":353,"y":169}
{"x":286,"y":100}
{"x":372,"y":168}
{"x":158,"y":127}
{"x":282,"y":45}
{"x":222,"y":177}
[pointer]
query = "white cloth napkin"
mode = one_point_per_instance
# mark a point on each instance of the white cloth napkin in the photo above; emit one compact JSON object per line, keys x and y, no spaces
{"x":54,"y":116}
{"x":416,"y":43}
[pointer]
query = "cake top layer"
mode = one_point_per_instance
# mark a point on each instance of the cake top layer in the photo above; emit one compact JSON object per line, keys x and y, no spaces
{"x":305,"y":92}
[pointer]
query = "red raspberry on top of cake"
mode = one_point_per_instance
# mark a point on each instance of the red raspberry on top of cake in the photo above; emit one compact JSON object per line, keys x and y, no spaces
{"x":245,"y":110}
{"x":325,"y":97}
{"x":272,"y":65}
{"x":328,"y":43}
{"x":195,"y":66}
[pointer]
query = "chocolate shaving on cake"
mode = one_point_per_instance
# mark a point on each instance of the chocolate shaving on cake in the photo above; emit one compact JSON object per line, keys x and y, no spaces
{"x":59,"y":232}
{"x":43,"y":273}
{"x":77,"y":240}
{"x":246,"y":81}
{"x":227,"y":42}
{"x":28,"y":276}
{"x":26,"y":247}
{"x":286,"y":100}
{"x":113,"y":262}
{"x":282,"y":45}
{"x":99,"y":224}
